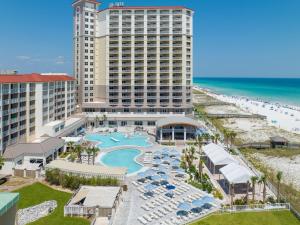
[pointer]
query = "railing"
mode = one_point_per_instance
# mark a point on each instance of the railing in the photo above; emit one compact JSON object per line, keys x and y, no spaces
{"x":254,"y":207}
{"x":79,"y":211}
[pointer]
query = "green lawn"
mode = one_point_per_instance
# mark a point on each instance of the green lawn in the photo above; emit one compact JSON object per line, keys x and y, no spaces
{"x":251,"y":218}
{"x":38,"y":193}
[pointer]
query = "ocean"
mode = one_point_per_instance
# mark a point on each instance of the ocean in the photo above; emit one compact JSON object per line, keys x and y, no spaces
{"x":281,"y":90}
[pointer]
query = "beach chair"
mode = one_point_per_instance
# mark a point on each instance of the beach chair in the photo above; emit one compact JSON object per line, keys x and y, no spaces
{"x":142,"y":220}
{"x":147,"y":218}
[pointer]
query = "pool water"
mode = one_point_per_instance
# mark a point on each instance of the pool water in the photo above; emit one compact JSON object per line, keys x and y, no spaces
{"x":122,"y":158}
{"x":118,"y":139}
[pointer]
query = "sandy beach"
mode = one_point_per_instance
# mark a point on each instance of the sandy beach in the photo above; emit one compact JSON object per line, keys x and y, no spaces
{"x":289,"y":166}
{"x":281,"y":120}
{"x":285,"y":117}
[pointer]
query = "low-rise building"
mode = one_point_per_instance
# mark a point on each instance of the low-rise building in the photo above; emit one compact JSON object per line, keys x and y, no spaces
{"x":29,"y":102}
{"x":8,"y":207}
{"x":24,"y":156}
{"x":94,"y":201}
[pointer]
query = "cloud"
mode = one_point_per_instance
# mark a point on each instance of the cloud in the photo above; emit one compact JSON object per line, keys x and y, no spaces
{"x":60,"y":60}
{"x":23,"y":57}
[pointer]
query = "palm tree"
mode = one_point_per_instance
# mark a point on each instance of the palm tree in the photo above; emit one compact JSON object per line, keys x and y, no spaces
{"x":206,"y":137}
{"x":78,"y":150}
{"x":263,"y":180}
{"x":1,"y":161}
{"x":190,"y":155}
{"x":278,"y":178}
{"x":226,"y":137}
{"x":231,"y":187}
{"x":97,"y":121}
{"x":217,"y":138}
{"x":89,"y":153}
{"x":247,"y":192}
{"x":253,"y":181}
{"x":104,"y":118}
{"x":94,"y":150}
{"x":232,"y":136}
{"x":70,"y":146}
{"x":199,"y":142}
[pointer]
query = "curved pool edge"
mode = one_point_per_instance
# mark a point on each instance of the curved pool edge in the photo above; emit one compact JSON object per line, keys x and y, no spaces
{"x":102,"y":154}
{"x":98,"y":143}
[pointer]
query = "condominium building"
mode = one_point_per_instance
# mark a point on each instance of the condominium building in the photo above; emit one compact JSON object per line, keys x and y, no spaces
{"x":29,"y":102}
{"x":133,"y":59}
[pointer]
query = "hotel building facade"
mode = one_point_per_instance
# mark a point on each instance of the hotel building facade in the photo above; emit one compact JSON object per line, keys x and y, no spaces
{"x":133,"y":59}
{"x":31,"y":101}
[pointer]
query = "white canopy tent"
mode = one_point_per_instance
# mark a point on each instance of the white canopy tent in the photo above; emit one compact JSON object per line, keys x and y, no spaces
{"x":217,"y":156}
{"x":236,"y":178}
{"x":236,"y":174}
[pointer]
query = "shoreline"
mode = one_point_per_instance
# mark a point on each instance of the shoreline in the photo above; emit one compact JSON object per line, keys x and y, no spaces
{"x":282,"y":116}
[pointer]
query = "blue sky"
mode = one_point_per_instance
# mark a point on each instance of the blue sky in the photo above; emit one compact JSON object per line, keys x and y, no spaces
{"x":231,"y":37}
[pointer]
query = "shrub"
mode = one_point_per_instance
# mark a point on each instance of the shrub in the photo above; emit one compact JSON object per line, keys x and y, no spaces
{"x":56,"y":177}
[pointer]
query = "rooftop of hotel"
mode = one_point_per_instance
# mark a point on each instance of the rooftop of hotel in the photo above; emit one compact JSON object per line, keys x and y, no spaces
{"x":33,"y":78}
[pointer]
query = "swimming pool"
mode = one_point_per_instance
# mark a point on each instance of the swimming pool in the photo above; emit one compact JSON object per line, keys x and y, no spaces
{"x":118,"y":139}
{"x":122,"y":158}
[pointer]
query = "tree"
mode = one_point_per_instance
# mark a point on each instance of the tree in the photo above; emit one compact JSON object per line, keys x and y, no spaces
{"x":71,"y":146}
{"x":226,"y":137}
{"x":231,"y":187}
{"x":206,"y":137}
{"x":278,"y":178}
{"x":247,"y":192}
{"x":263,"y":180}
{"x":253,"y":181}
{"x":199,"y":142}
{"x":189,"y":155}
{"x":217,"y":138}
{"x":72,"y":156}
{"x":232,"y":136}
{"x":97,"y":121}
{"x":1,"y":161}
{"x":78,"y":150}
{"x":104,"y":118}
{"x":89,"y":153}
{"x":94,"y":151}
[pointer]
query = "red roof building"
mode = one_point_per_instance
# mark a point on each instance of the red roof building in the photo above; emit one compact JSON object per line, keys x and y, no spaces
{"x":33,"y":78}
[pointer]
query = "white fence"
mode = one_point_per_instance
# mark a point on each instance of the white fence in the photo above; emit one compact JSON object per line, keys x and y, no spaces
{"x":254,"y":207}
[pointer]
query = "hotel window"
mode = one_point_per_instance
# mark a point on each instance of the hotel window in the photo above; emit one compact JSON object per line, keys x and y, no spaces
{"x":138,"y":123}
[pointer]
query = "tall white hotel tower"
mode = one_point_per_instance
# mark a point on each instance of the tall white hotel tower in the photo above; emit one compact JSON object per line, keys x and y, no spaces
{"x":133,"y":59}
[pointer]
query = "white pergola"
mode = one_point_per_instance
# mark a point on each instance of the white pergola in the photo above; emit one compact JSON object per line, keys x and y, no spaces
{"x":236,"y":174}
{"x":217,"y":156}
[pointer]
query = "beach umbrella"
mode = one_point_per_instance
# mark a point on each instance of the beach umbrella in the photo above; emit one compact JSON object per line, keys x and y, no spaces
{"x":206,"y":206}
{"x":141,"y":174}
{"x":165,"y":152}
{"x":180,"y":171}
{"x":155,"y":177}
{"x":182,"y":213}
{"x":162,"y":168}
{"x":196,"y":210}
{"x":156,"y":162}
{"x":185,"y":206}
{"x":198,"y":203}
{"x":208,"y":199}
{"x":164,"y":177}
{"x":149,"y":187}
{"x":150,"y":173}
{"x":149,"y":193}
{"x":170,"y":187}
{"x":170,"y":194}
{"x":175,"y":163}
{"x":164,"y":182}
{"x":156,"y":183}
